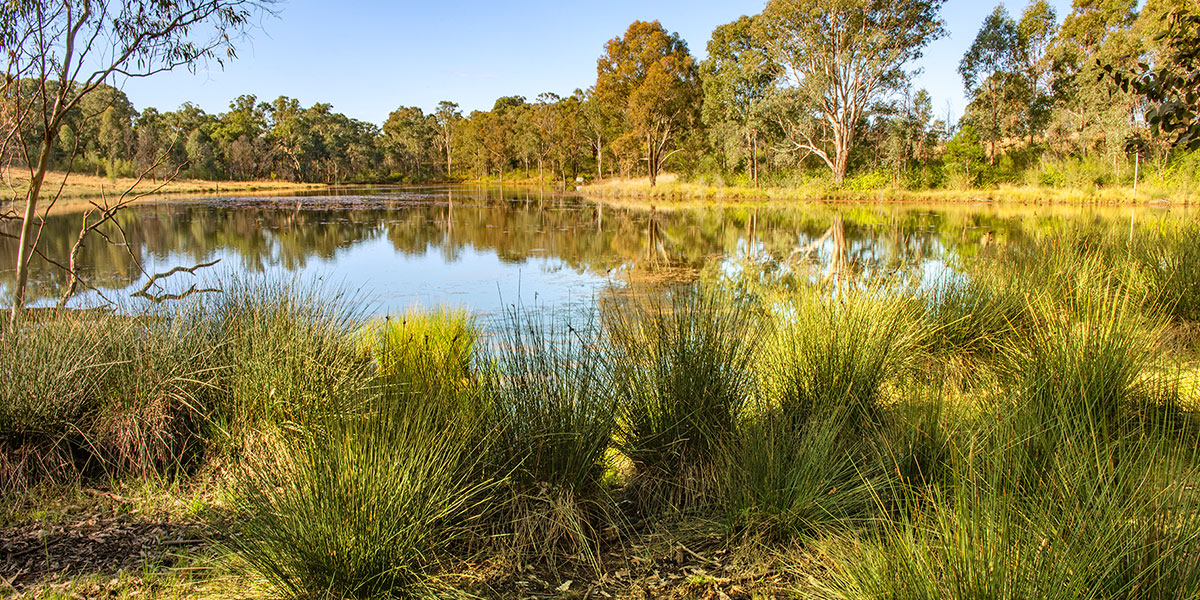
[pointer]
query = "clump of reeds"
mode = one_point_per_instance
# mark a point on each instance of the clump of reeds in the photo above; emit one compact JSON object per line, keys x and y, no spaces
{"x":800,"y":463}
{"x":1170,"y":262}
{"x":1116,"y":520}
{"x":783,"y":478}
{"x":681,"y":368}
{"x":833,"y":354}
{"x":430,"y":349}
{"x":285,"y":350}
{"x":89,"y":392}
{"x":361,"y":505}
{"x":554,"y":420}
{"x":974,"y":317}
{"x":1081,"y":377}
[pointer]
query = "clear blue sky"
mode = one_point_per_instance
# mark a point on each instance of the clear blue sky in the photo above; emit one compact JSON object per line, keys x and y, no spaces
{"x":367,"y":57}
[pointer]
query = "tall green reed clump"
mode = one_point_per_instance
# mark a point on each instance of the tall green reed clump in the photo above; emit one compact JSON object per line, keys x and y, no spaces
{"x":799,"y":465}
{"x":554,"y":423}
{"x":1099,"y":530}
{"x":681,"y":368}
{"x":98,"y":392}
{"x":834,"y":354}
{"x":286,"y":350}
{"x":362,"y":505}
{"x":973,"y":317}
{"x":1075,"y":484}
{"x":431,"y":349}
{"x":1170,"y":261}
{"x":1081,"y":379}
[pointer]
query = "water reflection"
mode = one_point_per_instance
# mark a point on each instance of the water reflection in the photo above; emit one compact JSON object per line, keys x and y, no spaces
{"x":480,"y":247}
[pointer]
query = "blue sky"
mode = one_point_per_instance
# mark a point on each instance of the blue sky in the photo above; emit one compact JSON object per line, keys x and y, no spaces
{"x":367,"y":57}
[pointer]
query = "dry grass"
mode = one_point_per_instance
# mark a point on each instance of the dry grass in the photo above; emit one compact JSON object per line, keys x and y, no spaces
{"x":78,"y":189}
{"x":671,"y":188}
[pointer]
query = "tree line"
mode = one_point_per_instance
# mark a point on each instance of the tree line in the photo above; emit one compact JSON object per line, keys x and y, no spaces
{"x":803,"y":90}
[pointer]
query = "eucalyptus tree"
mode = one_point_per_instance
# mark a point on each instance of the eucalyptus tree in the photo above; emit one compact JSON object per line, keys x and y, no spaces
{"x":596,"y":123}
{"x":447,"y":115}
{"x":495,"y":131}
{"x":838,"y":58}
{"x":239,"y":133}
{"x":291,"y":136}
{"x":1089,"y":107}
{"x":70,"y":48}
{"x":737,"y":79}
{"x":988,"y":71}
{"x":650,"y":78}
{"x":1035,"y":34}
{"x":567,"y":138}
{"x":408,"y":140}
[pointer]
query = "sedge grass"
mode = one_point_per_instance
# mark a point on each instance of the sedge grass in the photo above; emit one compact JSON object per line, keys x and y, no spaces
{"x":554,"y":422}
{"x":833,"y":355}
{"x":361,"y":506}
{"x":681,"y":369}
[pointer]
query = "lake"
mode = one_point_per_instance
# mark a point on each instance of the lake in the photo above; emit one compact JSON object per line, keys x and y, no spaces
{"x":485,"y":248}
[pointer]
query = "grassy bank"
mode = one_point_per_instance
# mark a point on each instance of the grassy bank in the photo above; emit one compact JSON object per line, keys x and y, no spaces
{"x":670,"y":188}
{"x":78,"y":187}
{"x":1028,"y":429}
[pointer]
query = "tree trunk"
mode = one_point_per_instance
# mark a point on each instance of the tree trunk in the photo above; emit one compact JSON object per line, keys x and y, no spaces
{"x":754,"y":159}
{"x":841,"y":161}
{"x":651,"y":161}
{"x":24,"y":248}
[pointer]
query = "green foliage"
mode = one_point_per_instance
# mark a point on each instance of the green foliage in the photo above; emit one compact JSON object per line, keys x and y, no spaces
{"x":1172,"y":86}
{"x":868,"y":180}
{"x":964,"y":159}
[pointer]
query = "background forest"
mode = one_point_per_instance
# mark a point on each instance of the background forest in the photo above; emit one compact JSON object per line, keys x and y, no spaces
{"x":784,"y":99}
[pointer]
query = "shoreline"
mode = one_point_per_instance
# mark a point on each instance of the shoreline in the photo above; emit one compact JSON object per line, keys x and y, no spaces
{"x":671,"y":193}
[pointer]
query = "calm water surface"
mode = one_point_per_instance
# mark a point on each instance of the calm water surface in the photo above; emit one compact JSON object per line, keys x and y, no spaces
{"x":486,"y":248}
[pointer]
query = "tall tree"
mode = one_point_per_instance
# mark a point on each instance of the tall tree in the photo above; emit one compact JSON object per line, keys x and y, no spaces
{"x":840,"y":56}
{"x":650,"y":78}
{"x":1035,"y":34}
{"x":1091,"y":109}
{"x":596,"y":121}
{"x":447,"y":116}
{"x":737,"y":78}
{"x":988,"y":72}
{"x":408,"y":139}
